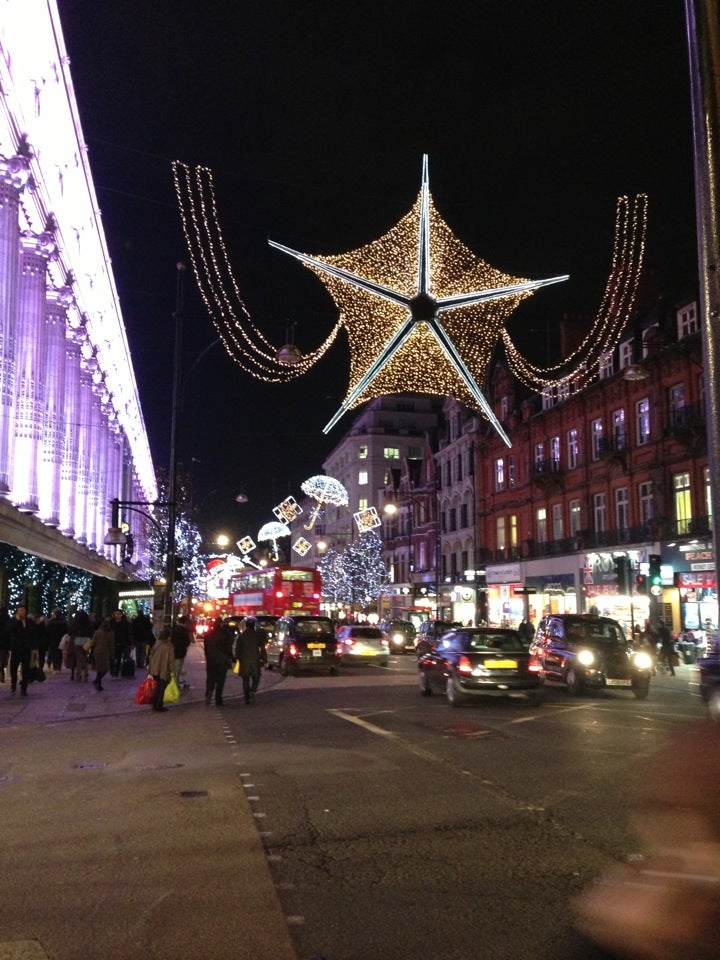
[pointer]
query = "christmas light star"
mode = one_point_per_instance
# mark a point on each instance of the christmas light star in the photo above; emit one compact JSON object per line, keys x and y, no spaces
{"x":387,"y":342}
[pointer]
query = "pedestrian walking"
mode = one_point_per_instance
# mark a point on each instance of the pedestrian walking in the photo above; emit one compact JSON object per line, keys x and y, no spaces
{"x":81,"y":631}
{"x":55,"y":629}
{"x":141,"y":633}
{"x":181,"y":640}
{"x":121,"y":634}
{"x":103,"y":648}
{"x":22,"y":643}
{"x":218,"y":645}
{"x":667,"y":646}
{"x":250,"y":651}
{"x":4,"y":643}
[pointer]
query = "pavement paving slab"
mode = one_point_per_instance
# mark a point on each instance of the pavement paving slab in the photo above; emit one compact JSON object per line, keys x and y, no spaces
{"x":127,"y":833}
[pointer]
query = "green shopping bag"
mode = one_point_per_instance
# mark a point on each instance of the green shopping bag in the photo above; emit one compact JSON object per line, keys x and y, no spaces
{"x":172,"y":692}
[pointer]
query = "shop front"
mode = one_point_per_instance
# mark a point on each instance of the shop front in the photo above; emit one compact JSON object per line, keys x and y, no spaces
{"x":554,"y":593}
{"x":602,"y":593}
{"x":695,"y":577}
{"x":505,"y":606}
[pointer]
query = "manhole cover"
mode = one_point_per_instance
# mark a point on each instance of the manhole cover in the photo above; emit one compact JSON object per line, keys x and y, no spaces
{"x":89,"y":766}
{"x":190,"y":794}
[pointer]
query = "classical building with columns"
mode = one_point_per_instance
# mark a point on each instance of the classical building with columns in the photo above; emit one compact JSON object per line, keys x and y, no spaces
{"x":72,"y":435}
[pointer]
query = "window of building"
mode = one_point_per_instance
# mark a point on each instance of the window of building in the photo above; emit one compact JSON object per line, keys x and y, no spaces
{"x":575,"y":511}
{"x":539,"y":454}
{"x":618,"y":428}
{"x":513,"y":531}
{"x":504,"y":407}
{"x":557,"y":521}
{"x":511,"y":470}
{"x":606,"y":366}
{"x":646,"y":501}
{"x":642,"y":421}
{"x":648,"y":335}
{"x":422,"y":555}
{"x":548,"y":398}
{"x":500,"y":533}
{"x":541,"y":524}
{"x":626,"y":354}
{"x":572,"y":449}
{"x":596,"y":435}
{"x":363,"y":503}
{"x":463,"y":515}
{"x":362,"y":478}
{"x":600,"y":512}
{"x":563,"y":390}
{"x":688,"y":320}
{"x":683,"y":506}
{"x":446,"y":471}
{"x":499,"y":474}
{"x":391,"y":453}
{"x":362,"y":452}
{"x":676,"y":402}
{"x":622,"y":510}
{"x":459,"y":467}
{"x":452,"y":518}
{"x":555,"y":452}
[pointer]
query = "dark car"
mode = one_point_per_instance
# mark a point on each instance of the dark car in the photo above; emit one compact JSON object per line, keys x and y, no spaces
{"x":587,"y":652}
{"x":303,"y":643}
{"x":473,"y":662}
{"x":430,"y":631}
{"x":401,"y":635}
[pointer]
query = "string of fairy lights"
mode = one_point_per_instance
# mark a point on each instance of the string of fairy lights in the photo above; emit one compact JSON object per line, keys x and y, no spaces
{"x":420,"y":363}
{"x":613,"y":313}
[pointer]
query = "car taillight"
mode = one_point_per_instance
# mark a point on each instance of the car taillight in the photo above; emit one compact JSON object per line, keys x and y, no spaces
{"x":349,"y":641}
{"x":385,"y":642}
{"x":534,"y":665}
{"x":464,"y":665}
{"x":292,"y":650}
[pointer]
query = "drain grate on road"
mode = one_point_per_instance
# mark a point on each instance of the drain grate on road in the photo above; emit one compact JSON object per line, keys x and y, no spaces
{"x":89,"y":766}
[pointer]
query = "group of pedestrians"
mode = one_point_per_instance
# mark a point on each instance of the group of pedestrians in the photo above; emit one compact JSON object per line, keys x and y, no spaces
{"x":222,"y":650}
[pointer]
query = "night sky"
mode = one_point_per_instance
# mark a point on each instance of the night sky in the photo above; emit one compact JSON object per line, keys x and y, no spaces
{"x":314,"y":117}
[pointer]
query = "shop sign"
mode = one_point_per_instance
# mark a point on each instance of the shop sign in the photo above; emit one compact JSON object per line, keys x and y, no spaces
{"x":503,"y":573}
{"x":696,"y":580}
{"x":558,"y":582}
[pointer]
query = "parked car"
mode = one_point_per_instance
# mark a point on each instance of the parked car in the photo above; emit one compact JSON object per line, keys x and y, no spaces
{"x":401,"y":634}
{"x":430,"y":631}
{"x":473,"y":662}
{"x":360,"y":643}
{"x":588,"y":652}
{"x":303,"y":643}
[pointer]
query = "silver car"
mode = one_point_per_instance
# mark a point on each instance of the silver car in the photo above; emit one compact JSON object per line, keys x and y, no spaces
{"x":360,"y":643}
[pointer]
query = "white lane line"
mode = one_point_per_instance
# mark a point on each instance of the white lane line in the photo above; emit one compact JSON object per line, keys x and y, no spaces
{"x":378,"y":731}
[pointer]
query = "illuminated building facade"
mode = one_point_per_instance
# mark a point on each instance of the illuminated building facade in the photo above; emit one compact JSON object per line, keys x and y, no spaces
{"x":72,"y":435}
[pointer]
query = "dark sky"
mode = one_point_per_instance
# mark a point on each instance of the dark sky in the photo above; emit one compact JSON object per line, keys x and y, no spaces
{"x":314,"y":117}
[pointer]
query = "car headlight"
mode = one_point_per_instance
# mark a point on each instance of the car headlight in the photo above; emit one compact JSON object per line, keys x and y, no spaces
{"x":642,"y":660}
{"x":398,"y":638}
{"x":586,"y":658}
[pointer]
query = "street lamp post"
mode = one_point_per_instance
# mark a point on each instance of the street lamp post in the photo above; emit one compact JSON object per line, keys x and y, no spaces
{"x":116,"y":537}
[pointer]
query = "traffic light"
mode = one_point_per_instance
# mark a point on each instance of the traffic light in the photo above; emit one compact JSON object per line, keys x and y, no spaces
{"x":622,"y":575}
{"x":654,"y":575}
{"x":641,"y":583}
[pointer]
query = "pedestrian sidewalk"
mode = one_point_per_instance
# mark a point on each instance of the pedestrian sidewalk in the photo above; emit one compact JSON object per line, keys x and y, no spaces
{"x":132,"y":835}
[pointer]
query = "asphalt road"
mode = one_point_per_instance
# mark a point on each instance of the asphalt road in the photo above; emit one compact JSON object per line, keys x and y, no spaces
{"x":399,"y":828}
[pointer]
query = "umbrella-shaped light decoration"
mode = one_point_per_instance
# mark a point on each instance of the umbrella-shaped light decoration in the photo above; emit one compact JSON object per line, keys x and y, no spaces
{"x":273,"y":531}
{"x":324,"y":490}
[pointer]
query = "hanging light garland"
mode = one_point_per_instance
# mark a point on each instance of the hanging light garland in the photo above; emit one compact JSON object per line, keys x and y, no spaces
{"x":419,"y":308}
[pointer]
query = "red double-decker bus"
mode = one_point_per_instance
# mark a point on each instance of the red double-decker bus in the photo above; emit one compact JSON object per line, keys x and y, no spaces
{"x":275,"y":592}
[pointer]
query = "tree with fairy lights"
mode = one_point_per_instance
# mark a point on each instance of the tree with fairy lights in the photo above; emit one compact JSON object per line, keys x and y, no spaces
{"x":357,"y":575}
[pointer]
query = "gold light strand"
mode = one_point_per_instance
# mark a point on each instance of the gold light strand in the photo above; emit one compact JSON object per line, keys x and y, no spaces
{"x":613,"y":314}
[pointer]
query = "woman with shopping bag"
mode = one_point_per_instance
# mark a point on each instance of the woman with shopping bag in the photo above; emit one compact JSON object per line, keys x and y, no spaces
{"x":160,"y":666}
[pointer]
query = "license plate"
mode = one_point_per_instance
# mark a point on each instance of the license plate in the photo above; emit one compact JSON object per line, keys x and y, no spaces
{"x":316,"y":646}
{"x":318,"y":653}
{"x":501,"y":664}
{"x":619,"y":683}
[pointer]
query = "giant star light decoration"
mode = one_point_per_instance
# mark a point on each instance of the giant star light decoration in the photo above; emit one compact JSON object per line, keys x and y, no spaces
{"x":422,"y":312}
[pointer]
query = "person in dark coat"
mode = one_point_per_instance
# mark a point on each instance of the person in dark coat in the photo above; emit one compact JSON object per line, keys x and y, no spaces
{"x":4,"y":648}
{"x":55,"y":629}
{"x":218,"y":645}
{"x":250,"y":651}
{"x":180,"y":635}
{"x":102,"y":648}
{"x":81,"y":630}
{"x":141,"y":631}
{"x":121,"y":636}
{"x":22,"y":641}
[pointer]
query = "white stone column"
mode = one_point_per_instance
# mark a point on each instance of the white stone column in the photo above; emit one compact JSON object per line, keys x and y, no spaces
{"x":35,"y":251}
{"x":83,"y":445}
{"x":14,"y":172}
{"x":69,"y":467}
{"x":53,"y":431}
